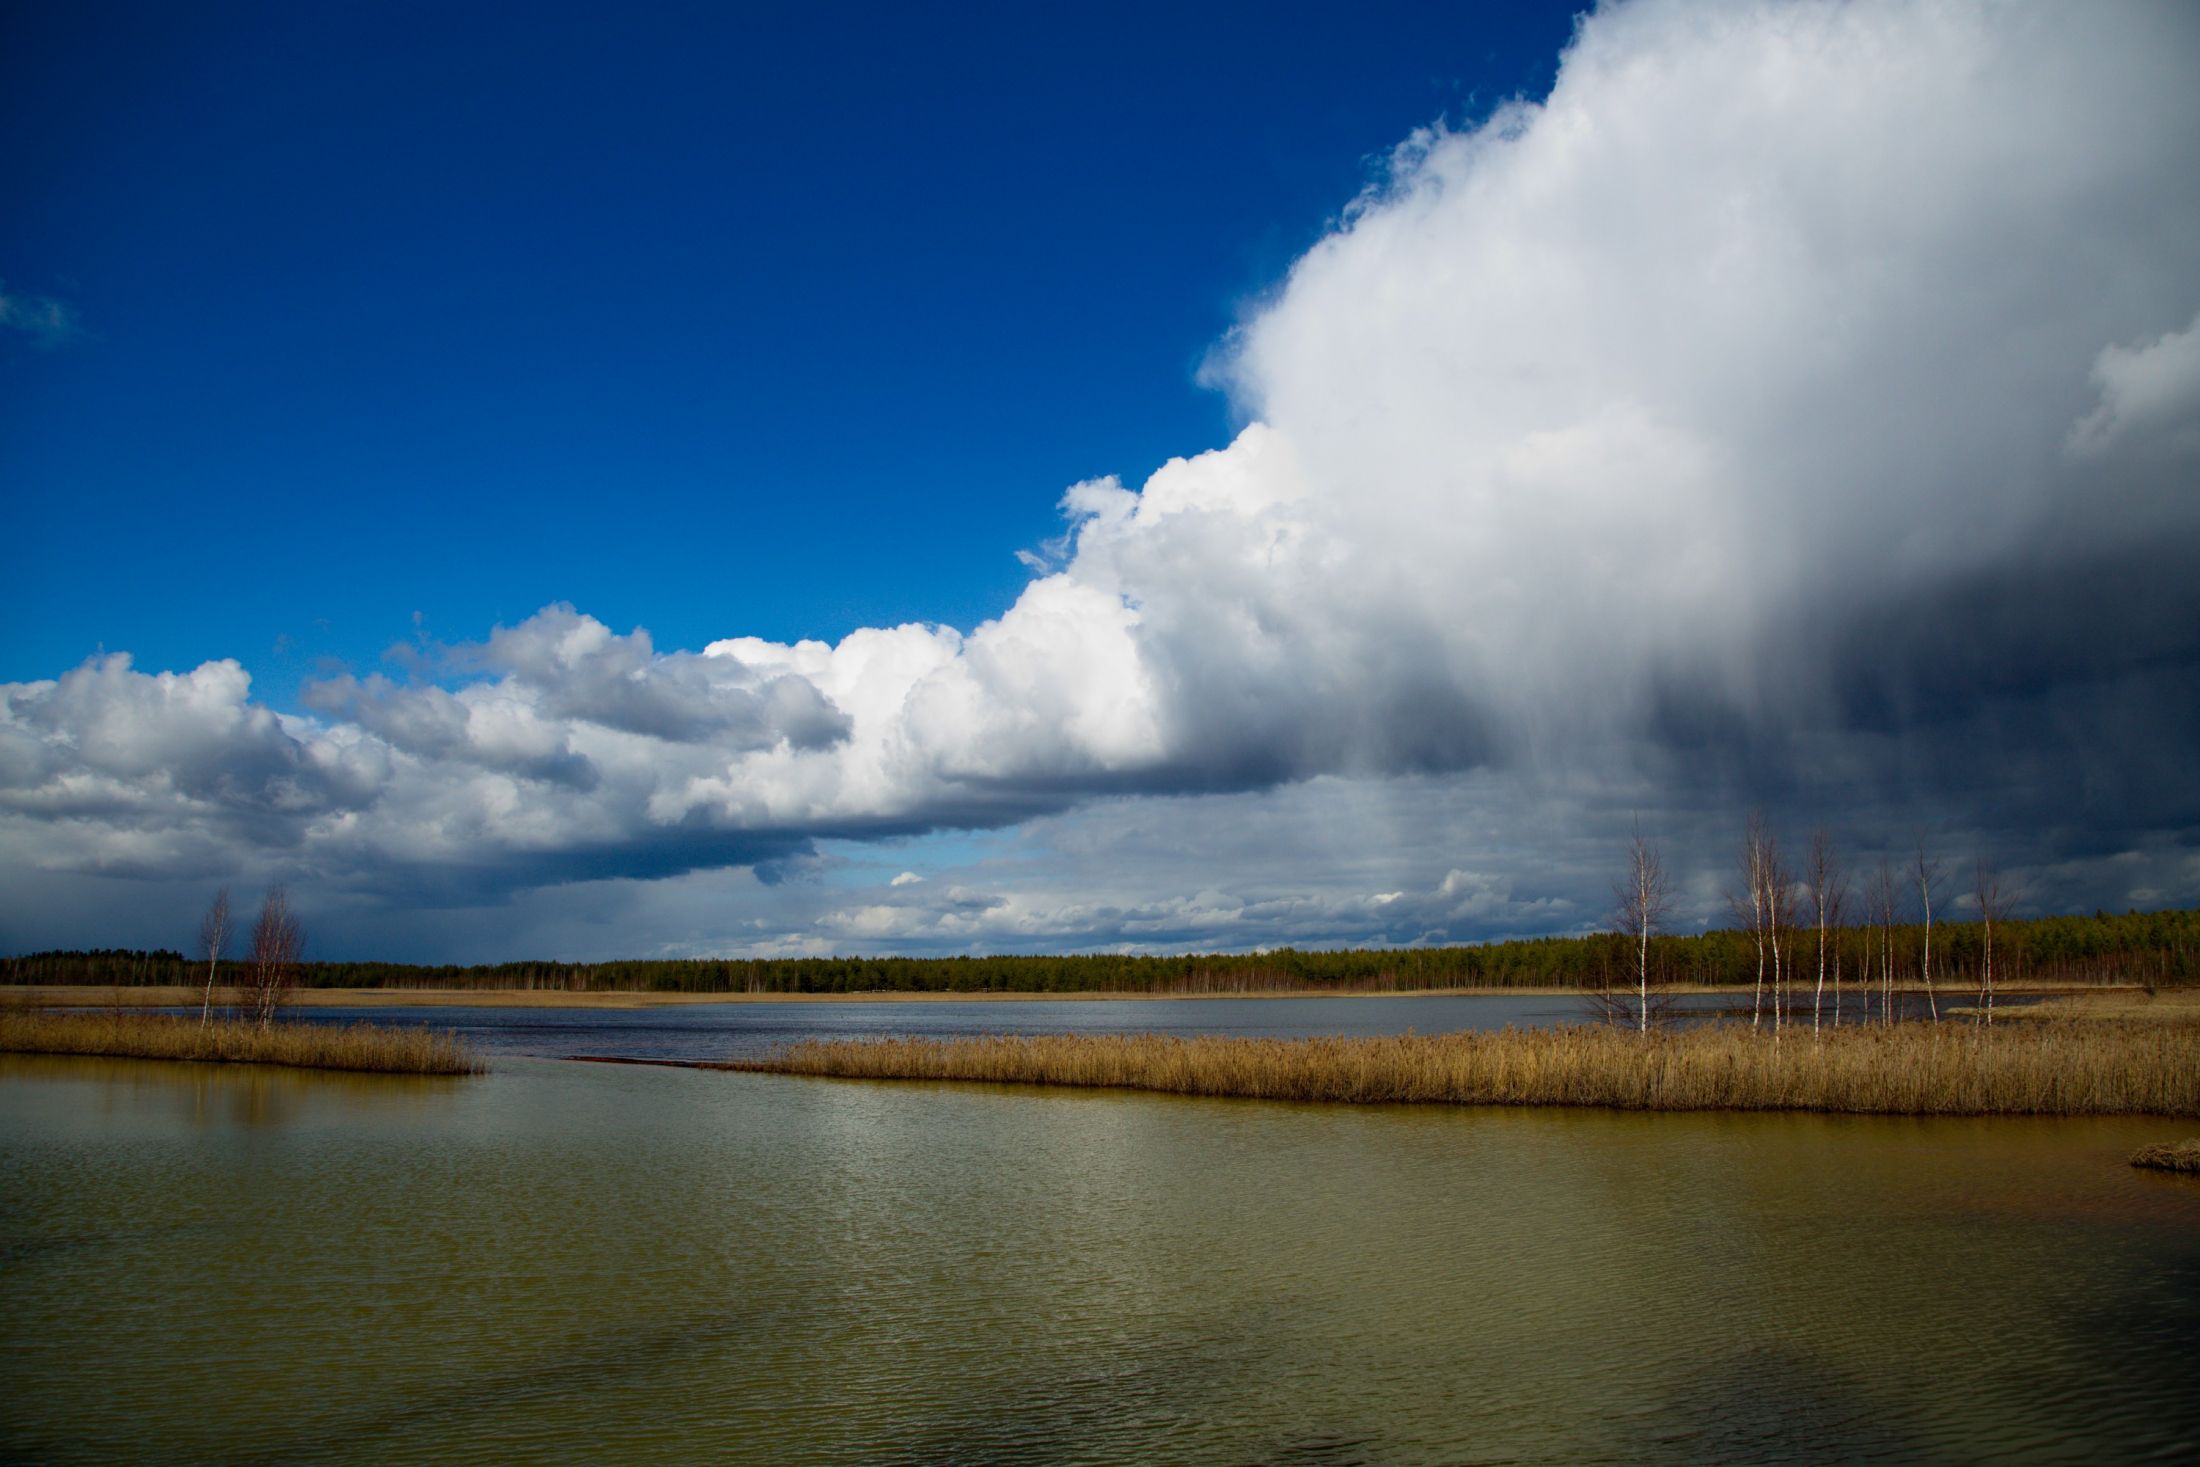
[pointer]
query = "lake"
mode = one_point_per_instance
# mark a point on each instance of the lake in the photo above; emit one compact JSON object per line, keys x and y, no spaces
{"x":713,"y":1031}
{"x":580,"y":1262}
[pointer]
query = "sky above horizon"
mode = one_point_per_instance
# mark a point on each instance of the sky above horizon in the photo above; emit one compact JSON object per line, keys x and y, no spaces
{"x":701,"y":482}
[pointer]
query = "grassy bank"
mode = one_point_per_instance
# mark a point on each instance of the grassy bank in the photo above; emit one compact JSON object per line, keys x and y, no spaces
{"x":310,"y":1046}
{"x":2094,"y":1068}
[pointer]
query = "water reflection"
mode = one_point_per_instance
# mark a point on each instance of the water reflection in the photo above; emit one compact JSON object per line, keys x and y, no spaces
{"x":580,"y":1262}
{"x":203,"y":1096}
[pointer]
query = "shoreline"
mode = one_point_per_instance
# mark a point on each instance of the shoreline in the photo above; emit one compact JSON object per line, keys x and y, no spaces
{"x":56,"y":995}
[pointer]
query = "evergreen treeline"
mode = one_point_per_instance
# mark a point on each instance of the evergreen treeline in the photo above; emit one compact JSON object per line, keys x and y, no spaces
{"x":2135,"y":947}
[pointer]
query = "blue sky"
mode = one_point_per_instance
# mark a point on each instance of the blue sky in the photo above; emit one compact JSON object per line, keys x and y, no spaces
{"x":720,"y":480}
{"x":781,"y":319}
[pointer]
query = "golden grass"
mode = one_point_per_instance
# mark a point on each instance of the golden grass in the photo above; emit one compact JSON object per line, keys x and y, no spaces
{"x":2183,"y":1156}
{"x":2095,"y":1068}
{"x":310,"y":1046}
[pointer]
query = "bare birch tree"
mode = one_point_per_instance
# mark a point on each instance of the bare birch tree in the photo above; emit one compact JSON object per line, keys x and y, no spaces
{"x":1779,"y":926}
{"x":1928,"y":874}
{"x":1749,"y":904}
{"x":1644,"y":895}
{"x":1991,"y":898}
{"x":1883,"y":909}
{"x":1843,"y":942}
{"x":1827,"y":887}
{"x":271,"y":960}
{"x":213,"y":939}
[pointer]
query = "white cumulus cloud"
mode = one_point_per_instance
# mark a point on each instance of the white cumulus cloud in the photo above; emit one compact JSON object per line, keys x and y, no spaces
{"x":1761,"y":393}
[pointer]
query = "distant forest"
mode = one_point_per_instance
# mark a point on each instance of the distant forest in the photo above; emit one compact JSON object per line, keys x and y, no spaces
{"x":2135,"y":947}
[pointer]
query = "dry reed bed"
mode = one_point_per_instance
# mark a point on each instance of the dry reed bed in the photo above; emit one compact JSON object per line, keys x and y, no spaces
{"x":2182,"y":1156}
{"x":2093,"y":1068}
{"x":310,"y":1046}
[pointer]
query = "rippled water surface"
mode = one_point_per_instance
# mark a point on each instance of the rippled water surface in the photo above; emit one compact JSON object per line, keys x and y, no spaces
{"x":585,"y":1263}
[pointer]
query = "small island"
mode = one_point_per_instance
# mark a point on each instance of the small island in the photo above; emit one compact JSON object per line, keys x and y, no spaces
{"x":368,"y":1047}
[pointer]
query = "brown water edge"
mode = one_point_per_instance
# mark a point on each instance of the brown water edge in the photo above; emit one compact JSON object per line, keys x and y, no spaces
{"x":628,"y":1059}
{"x":248,"y":1097}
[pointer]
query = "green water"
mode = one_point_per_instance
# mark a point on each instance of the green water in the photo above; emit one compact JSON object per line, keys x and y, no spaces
{"x":582,"y":1263}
